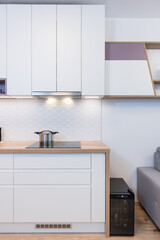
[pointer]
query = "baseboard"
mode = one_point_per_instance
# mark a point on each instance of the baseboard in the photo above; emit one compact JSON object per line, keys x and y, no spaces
{"x":30,"y":228}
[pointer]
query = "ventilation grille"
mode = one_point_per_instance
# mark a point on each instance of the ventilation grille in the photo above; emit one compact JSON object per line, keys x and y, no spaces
{"x":53,"y":226}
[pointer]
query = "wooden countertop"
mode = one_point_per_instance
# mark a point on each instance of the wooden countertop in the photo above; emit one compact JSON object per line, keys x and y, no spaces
{"x":20,"y":147}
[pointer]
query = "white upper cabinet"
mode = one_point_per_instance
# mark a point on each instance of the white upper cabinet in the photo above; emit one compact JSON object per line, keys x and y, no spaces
{"x":43,"y":47}
{"x":53,"y":48}
{"x":128,"y":78}
{"x":93,"y":49}
{"x":19,"y":49}
{"x":2,"y":41}
{"x":127,"y":71}
{"x":68,"y":48}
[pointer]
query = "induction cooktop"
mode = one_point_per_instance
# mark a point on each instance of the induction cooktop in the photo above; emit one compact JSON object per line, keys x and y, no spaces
{"x":58,"y":144}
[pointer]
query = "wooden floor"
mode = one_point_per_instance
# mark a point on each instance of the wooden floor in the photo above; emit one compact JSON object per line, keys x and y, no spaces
{"x":144,"y":230}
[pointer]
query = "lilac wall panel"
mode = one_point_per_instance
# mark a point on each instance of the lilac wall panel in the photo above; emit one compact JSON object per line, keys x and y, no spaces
{"x":125,"y":51}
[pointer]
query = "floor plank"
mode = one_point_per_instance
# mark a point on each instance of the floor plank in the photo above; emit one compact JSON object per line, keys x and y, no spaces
{"x":144,"y":230}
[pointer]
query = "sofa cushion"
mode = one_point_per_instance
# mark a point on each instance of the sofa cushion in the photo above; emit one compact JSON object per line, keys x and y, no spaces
{"x":157,"y":160}
{"x":158,"y":149}
{"x":148,"y":189}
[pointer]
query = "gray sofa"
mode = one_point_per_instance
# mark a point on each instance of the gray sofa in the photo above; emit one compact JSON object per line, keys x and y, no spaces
{"x":148,"y":188}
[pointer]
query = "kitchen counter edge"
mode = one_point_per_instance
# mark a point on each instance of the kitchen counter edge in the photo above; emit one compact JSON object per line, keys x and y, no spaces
{"x":20,"y":147}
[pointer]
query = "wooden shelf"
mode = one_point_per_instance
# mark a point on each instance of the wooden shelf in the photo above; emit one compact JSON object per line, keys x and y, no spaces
{"x":152,"y":45}
{"x":156,"y":81}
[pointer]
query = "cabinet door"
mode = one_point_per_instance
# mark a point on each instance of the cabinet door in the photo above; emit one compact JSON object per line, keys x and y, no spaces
{"x":52,"y":204}
{"x":130,"y":78}
{"x":52,"y":161}
{"x":43,"y":47}
{"x":18,"y":49}
{"x":6,"y":204}
{"x":68,"y":48}
{"x":93,"y":49}
{"x":2,"y":41}
{"x":127,"y":71}
{"x":25,"y":177}
{"x":98,"y":187}
{"x":6,"y":161}
{"x":6,"y":177}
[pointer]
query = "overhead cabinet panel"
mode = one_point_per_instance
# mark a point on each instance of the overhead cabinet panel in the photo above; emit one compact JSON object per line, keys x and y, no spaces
{"x":127,"y":71}
{"x":154,"y":61}
{"x":93,"y":49}
{"x":57,"y":46}
{"x":18,"y":49}
{"x":2,"y":41}
{"x":68,"y":48}
{"x":128,"y":78}
{"x":43,"y":47}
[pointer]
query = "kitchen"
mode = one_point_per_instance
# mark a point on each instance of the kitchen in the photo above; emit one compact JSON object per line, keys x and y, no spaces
{"x":83,"y":119}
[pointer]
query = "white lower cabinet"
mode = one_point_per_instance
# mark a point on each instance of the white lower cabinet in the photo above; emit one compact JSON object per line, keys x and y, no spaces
{"x":51,"y":177}
{"x":43,"y":188}
{"x":52,"y":188}
{"x":6,"y":188}
{"x":6,"y":177}
{"x":6,"y":161}
{"x":52,"y":204}
{"x":52,"y":161}
{"x":98,"y":188}
{"x":6,"y":204}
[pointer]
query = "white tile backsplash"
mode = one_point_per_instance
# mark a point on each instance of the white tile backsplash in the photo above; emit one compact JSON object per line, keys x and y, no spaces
{"x":79,"y":119}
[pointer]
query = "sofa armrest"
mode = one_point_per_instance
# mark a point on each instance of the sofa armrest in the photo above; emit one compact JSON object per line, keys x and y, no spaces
{"x":148,"y":190}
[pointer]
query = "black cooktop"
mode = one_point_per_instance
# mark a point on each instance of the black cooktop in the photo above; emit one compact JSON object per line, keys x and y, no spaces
{"x":58,"y":144}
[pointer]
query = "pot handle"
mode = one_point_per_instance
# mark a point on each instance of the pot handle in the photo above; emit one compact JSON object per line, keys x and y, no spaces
{"x":47,"y":131}
{"x":37,"y":132}
{"x":54,"y":132}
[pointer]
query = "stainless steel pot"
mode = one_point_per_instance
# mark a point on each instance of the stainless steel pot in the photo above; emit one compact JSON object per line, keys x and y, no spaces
{"x":46,"y":138}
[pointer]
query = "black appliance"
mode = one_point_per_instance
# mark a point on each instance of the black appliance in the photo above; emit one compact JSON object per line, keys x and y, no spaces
{"x":57,"y":144}
{"x":121,"y":208}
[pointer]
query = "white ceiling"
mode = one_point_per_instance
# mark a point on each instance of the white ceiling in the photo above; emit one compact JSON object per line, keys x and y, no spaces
{"x":114,"y":8}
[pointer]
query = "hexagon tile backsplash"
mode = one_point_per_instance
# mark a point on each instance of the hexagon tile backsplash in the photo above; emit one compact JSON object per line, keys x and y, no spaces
{"x":78,"y":119}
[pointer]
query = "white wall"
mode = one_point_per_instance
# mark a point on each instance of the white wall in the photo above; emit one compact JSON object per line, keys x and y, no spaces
{"x":78,"y":120}
{"x":132,"y":29}
{"x":114,"y":8}
{"x":132,"y":9}
{"x":131,"y":129}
